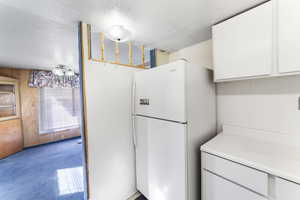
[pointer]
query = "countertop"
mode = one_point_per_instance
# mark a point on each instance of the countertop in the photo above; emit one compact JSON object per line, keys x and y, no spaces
{"x":274,"y":153}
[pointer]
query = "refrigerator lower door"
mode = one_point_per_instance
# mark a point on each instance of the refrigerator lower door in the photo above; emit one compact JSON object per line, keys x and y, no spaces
{"x":161,"y":161}
{"x":141,"y":146}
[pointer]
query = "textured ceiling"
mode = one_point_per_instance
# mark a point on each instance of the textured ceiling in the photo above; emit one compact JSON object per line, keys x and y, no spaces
{"x":44,"y":25}
{"x":166,"y":24}
{"x":31,"y":41}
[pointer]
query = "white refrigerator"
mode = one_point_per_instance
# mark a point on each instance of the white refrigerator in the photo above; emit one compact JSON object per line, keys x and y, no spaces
{"x":171,"y":102}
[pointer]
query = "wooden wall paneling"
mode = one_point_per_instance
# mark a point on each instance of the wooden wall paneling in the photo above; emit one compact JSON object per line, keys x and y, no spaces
{"x":7,"y":73}
{"x":6,"y":112}
{"x":29,"y":104}
{"x":29,"y":100}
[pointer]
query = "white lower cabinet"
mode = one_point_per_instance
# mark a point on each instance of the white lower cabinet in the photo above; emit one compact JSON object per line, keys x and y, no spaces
{"x":286,"y":190}
{"x":250,"y":178}
{"x":217,"y":188}
{"x":223,"y":179}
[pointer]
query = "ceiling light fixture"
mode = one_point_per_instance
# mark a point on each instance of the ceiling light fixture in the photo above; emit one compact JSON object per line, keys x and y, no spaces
{"x":118,"y":33}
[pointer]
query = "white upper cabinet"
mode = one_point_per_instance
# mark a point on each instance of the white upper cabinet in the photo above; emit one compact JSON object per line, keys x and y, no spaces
{"x":242,"y":45}
{"x":289,"y":36}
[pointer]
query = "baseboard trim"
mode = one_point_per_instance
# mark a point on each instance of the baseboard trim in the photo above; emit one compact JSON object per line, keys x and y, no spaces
{"x":52,"y":142}
{"x":135,"y":196}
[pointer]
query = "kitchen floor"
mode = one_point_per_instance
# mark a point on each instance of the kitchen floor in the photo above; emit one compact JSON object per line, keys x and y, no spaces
{"x":48,"y":172}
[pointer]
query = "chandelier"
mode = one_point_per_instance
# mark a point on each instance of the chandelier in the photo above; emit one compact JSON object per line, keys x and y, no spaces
{"x":63,"y":71}
{"x":63,"y":76}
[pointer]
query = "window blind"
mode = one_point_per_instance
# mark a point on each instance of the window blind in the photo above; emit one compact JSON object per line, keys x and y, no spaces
{"x":59,"y":109}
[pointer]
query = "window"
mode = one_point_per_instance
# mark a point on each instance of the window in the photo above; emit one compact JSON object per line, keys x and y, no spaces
{"x":59,"y":109}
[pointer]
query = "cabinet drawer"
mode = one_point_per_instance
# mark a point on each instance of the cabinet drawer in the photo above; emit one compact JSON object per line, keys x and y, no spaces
{"x":217,"y":188}
{"x":240,"y":174}
{"x":286,"y":190}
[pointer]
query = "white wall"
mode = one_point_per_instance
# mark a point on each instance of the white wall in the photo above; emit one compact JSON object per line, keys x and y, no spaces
{"x":111,"y":157}
{"x":264,"y":104}
{"x":200,"y":53}
{"x":110,"y":144}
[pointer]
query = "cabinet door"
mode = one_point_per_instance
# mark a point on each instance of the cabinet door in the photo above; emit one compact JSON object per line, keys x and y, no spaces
{"x":286,"y":190}
{"x":288,"y":35}
{"x":11,"y":138}
{"x":242,"y":45}
{"x":217,"y":188}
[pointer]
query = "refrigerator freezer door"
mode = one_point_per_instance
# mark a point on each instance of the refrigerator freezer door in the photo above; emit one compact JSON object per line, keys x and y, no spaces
{"x":160,"y":92}
{"x":161,"y":159}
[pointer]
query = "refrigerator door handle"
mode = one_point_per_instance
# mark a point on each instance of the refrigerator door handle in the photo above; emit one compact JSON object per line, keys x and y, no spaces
{"x":134,"y":132}
{"x":133,"y":113}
